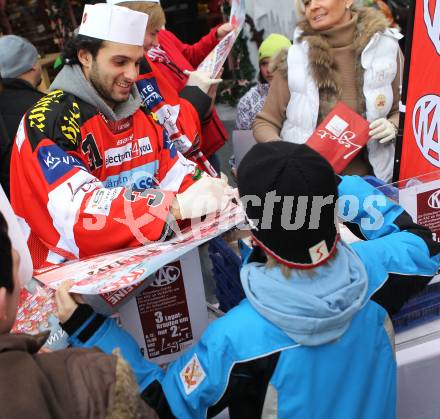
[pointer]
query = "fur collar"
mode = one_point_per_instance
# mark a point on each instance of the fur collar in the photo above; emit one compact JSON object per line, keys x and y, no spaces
{"x":322,"y":63}
{"x":125,"y":401}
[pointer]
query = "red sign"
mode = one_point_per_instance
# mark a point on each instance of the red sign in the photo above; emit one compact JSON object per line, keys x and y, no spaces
{"x":340,"y":137}
{"x":428,"y":214}
{"x":421,"y":147}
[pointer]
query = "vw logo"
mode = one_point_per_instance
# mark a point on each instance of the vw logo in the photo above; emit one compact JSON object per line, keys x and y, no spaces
{"x":434,"y":200}
{"x":432,"y":21}
{"x":426,"y":127}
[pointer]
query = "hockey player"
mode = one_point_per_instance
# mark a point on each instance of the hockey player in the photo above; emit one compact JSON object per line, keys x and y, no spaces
{"x":91,"y":171}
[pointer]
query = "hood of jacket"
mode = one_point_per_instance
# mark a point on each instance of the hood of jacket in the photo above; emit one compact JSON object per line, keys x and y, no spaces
{"x":311,"y":307}
{"x":71,"y":80}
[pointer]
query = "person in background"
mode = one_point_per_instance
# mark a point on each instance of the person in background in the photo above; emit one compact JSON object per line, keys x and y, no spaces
{"x":174,"y":58}
{"x":179,"y":112}
{"x":252,"y":102}
{"x":5,"y":154}
{"x":334,"y":57}
{"x":91,"y":171}
{"x":21,"y":74}
{"x":315,"y":312}
{"x":71,"y":383}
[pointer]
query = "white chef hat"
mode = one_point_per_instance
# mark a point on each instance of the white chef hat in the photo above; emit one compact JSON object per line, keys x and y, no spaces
{"x":123,"y":1}
{"x":113,"y":23}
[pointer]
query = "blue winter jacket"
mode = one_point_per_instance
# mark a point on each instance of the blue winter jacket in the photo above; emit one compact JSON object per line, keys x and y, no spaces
{"x":257,"y":368}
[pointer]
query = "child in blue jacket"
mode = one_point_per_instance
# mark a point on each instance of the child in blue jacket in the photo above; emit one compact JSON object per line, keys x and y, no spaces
{"x":312,"y":338}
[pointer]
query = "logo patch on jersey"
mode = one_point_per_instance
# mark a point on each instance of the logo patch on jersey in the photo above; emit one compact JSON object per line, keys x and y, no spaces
{"x":119,"y":155}
{"x":55,"y":162}
{"x":101,"y":200}
{"x":142,"y":177}
{"x":192,"y":375}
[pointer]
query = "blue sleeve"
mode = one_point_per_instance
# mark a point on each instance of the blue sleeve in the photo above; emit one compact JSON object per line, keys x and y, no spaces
{"x":400,"y":256}
{"x":97,"y":331}
{"x":372,"y":213}
{"x":197,"y":379}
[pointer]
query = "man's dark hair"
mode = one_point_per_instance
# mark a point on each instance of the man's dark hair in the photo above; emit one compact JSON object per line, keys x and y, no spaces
{"x":6,"y":279}
{"x":70,"y":52}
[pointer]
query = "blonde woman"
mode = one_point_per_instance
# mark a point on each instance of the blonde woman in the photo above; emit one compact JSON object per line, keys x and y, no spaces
{"x":339,"y":53}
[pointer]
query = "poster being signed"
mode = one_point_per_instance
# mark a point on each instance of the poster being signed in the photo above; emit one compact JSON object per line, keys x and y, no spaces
{"x":114,"y":271}
{"x":214,"y":61}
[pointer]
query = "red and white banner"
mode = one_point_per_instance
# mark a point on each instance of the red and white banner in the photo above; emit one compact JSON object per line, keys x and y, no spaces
{"x":214,"y":61}
{"x":420,"y":152}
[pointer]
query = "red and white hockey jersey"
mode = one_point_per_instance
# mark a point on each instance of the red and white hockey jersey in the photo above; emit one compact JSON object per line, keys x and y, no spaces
{"x":84,"y":185}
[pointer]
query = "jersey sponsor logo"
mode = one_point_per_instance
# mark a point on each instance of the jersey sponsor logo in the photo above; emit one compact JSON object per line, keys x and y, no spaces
{"x":192,"y":375}
{"x":55,"y":162}
{"x":142,"y":177}
{"x":37,"y":114}
{"x":119,"y":155}
{"x":70,"y":127}
{"x":124,"y":141}
{"x":101,"y":200}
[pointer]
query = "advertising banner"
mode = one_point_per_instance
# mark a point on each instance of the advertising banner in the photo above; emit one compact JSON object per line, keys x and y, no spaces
{"x":419,"y":150}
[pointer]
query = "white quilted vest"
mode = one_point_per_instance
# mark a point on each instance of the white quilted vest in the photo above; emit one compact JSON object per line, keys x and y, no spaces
{"x":379,"y":61}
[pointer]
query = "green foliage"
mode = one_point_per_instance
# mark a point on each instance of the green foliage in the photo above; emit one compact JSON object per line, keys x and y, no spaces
{"x":241,"y":75}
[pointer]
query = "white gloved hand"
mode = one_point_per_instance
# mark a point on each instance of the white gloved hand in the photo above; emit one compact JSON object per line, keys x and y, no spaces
{"x":201,"y":79}
{"x":382,"y":130}
{"x":205,"y":196}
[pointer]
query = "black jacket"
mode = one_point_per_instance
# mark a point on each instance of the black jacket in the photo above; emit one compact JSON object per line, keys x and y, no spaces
{"x":15,"y":99}
{"x":5,"y":155}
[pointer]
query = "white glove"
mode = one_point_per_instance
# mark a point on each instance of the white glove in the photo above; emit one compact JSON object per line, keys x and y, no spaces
{"x":382,"y":130}
{"x":201,"y":79}
{"x":205,"y":196}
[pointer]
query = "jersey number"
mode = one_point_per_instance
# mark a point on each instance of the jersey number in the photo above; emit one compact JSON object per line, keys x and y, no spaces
{"x":89,"y":147}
